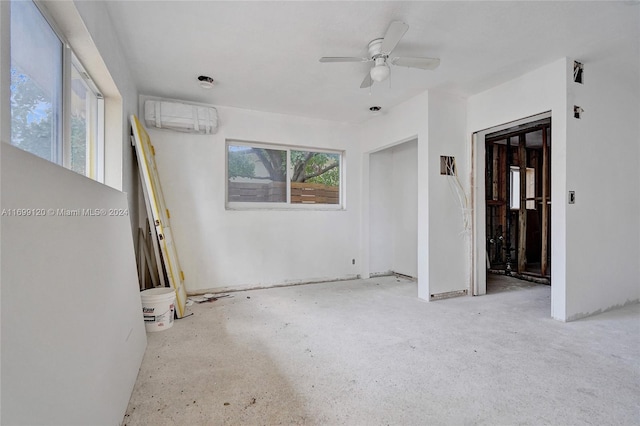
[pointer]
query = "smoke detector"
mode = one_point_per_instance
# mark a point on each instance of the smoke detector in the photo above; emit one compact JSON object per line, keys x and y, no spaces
{"x":205,"y":82}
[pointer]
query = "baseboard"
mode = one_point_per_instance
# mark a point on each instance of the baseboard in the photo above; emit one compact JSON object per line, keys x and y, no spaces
{"x":229,"y":289}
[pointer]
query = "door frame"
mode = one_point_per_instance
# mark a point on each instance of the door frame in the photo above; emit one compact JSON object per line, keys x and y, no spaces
{"x":478,"y":195}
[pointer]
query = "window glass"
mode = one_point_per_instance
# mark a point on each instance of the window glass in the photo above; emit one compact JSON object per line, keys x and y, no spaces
{"x":514,"y":200}
{"x":315,"y":177}
{"x":280,"y":175}
{"x":256,"y":174}
{"x":36,"y":83}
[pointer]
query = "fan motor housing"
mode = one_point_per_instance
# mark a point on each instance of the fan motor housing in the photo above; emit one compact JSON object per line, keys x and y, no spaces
{"x":375,"y":48}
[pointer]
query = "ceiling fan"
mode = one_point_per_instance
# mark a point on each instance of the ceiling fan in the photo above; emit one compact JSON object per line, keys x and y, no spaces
{"x":379,"y":51}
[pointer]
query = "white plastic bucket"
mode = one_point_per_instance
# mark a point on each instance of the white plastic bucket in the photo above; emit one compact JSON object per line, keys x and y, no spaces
{"x":158,"y":305}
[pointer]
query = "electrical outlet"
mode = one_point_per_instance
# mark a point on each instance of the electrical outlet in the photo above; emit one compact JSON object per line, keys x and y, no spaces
{"x":578,"y":69}
{"x":572,"y":197}
{"x":353,"y":261}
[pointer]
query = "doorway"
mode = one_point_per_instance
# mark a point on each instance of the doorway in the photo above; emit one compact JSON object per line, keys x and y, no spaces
{"x":393,"y":210}
{"x":518,"y":200}
{"x":497,"y":194}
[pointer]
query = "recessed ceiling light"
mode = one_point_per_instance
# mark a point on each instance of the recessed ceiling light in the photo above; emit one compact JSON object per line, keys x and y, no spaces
{"x":375,"y":108}
{"x":205,"y":82}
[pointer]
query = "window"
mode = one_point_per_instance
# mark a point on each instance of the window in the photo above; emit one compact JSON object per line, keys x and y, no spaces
{"x":36,"y":83}
{"x":59,"y":119}
{"x":514,"y":201}
{"x":275,"y":176}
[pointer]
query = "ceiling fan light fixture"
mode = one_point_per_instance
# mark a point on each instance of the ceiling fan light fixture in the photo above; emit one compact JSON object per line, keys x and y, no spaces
{"x":379,"y":72}
{"x":380,"y":51}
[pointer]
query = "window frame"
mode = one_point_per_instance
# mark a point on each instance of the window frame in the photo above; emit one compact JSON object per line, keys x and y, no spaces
{"x":95,"y":158}
{"x":286,"y":205}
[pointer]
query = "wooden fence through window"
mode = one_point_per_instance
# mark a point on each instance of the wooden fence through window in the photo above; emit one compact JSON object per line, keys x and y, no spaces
{"x":314,"y":193}
{"x":276,"y":192}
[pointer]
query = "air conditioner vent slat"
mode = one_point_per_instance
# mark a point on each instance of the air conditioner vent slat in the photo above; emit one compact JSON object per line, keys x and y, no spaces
{"x":181,"y":117}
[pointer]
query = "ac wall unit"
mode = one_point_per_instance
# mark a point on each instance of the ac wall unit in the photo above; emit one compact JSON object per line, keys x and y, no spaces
{"x":181,"y":117}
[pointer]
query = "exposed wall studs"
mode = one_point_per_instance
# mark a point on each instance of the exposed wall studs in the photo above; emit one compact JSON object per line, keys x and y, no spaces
{"x":517,"y":221}
{"x":577,"y":112}
{"x":578,"y":69}
{"x":447,"y":165}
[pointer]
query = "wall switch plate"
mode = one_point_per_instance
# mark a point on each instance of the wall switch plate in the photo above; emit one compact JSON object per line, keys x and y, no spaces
{"x":572,"y":197}
{"x":577,"y":111}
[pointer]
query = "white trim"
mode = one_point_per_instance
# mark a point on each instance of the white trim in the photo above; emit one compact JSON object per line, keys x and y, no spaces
{"x":99,"y":158}
{"x":240,"y":206}
{"x":40,"y":4}
{"x":65,"y":148}
{"x":85,"y":75}
{"x":281,"y":147}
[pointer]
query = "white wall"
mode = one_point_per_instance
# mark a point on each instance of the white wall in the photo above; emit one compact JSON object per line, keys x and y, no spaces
{"x":381,"y":212}
{"x":544,"y":89}
{"x":221,"y":248}
{"x":442,"y":253}
{"x":405,"y":208}
{"x":449,"y":243}
{"x":438,"y":120}
{"x":602,"y":168}
{"x":73,"y":336}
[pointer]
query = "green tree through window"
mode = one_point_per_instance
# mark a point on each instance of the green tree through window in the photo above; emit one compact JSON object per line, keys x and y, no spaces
{"x":31,"y":116}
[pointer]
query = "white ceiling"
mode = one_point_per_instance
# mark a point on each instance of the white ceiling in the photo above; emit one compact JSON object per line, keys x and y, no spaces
{"x":264,"y":55}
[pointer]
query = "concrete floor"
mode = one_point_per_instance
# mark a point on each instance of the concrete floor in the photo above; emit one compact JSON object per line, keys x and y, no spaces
{"x":368,"y":352}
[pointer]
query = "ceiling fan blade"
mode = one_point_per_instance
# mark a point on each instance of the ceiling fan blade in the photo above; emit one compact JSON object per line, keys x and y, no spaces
{"x":422,"y":63}
{"x":343,"y":59}
{"x":367,"y":82}
{"x":394,"y":33}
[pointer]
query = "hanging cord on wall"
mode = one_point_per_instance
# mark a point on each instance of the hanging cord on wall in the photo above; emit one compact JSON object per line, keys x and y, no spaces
{"x":456,"y":186}
{"x":461,"y":196}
